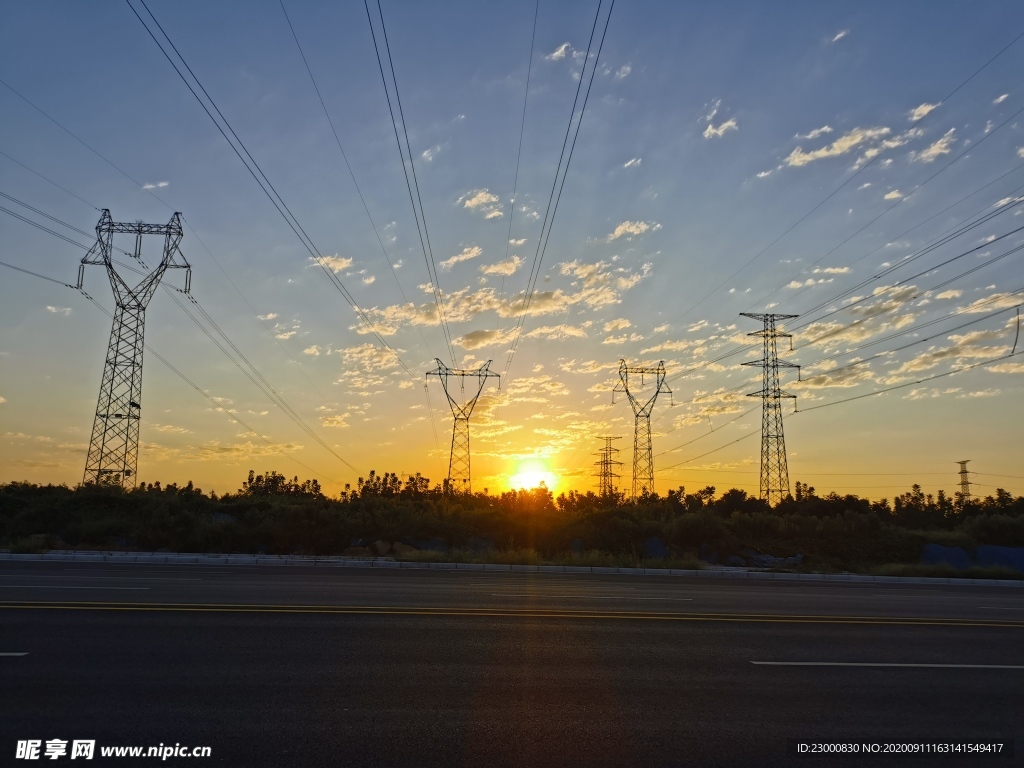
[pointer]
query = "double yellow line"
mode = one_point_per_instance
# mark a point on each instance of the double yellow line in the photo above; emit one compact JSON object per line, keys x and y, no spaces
{"x":527,"y":613}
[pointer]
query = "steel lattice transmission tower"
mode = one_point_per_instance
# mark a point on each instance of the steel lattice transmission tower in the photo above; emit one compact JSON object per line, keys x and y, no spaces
{"x":114,"y":446}
{"x":606,"y":466}
{"x":459,"y":463}
{"x":964,"y":494}
{"x":643,"y":454}
{"x":774,"y":468}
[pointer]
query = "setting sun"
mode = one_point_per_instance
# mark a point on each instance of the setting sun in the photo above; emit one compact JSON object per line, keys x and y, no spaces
{"x":531,"y":474}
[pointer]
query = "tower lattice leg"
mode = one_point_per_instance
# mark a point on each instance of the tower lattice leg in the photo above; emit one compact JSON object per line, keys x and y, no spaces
{"x":114,"y":446}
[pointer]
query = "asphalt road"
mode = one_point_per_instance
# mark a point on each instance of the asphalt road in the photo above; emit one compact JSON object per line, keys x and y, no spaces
{"x":308,"y":667}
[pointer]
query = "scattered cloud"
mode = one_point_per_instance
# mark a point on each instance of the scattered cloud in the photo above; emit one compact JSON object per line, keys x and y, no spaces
{"x":58,"y":310}
{"x":284,"y":335}
{"x":2,"y":400}
{"x":816,"y":133}
{"x":840,"y":35}
{"x":337,"y":420}
{"x":429,"y":154}
{"x":941,"y":147}
{"x":504,"y":268}
{"x":369,"y":357}
{"x":168,"y":428}
{"x":712,"y":110}
{"x":831,"y":270}
{"x":157,"y":185}
{"x":729,"y":125}
{"x":467,"y":253}
{"x":1000,"y":99}
{"x":894,"y":195}
{"x":334,"y":263}
{"x":616,"y":325}
{"x":636,"y":161}
{"x":623,"y":72}
{"x":557,"y":332}
{"x":268,"y":316}
{"x":484,"y":338}
{"x":516,"y":242}
{"x":560,"y":52}
{"x":920,"y":111}
{"x":846,"y":143}
{"x":633,"y":228}
{"x":482,"y":201}
{"x":369,"y":280}
{"x":951,"y":294}
{"x":313,"y":351}
{"x":765,"y":174}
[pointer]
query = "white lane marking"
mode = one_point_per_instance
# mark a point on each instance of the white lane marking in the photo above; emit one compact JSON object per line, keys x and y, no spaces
{"x":149,"y":567}
{"x":58,"y":586}
{"x":13,"y":654}
{"x":108,"y":578}
{"x":883,"y":664}
{"x":588,"y":597}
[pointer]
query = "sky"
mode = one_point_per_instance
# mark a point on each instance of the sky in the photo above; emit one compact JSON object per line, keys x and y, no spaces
{"x":797,"y":158}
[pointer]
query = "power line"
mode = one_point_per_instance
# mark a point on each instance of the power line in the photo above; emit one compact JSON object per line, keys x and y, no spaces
{"x":419,"y":214}
{"x":553,"y":200}
{"x":842,"y":185}
{"x":260,"y":177}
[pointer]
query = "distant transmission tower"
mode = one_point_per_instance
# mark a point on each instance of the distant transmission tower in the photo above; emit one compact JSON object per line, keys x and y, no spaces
{"x":606,"y":465}
{"x":965,"y":483}
{"x":459,"y":464}
{"x":643,"y":455}
{"x":114,"y":447}
{"x":774,"y":469}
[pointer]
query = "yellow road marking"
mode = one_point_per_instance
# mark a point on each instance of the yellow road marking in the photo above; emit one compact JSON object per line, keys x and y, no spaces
{"x":507,"y":613}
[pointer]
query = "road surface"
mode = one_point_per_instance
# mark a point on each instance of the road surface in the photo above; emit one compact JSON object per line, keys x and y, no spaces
{"x":372,"y":667}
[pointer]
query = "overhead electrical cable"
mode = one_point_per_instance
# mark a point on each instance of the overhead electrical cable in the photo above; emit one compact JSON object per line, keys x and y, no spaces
{"x":553,"y":199}
{"x":238,"y":146}
{"x":419,"y":214}
{"x":841,"y":186}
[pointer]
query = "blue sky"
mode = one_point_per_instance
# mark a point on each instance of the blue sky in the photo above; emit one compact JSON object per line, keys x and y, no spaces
{"x":709,"y":132}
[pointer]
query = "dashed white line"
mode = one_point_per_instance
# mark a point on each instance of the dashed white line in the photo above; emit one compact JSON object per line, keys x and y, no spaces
{"x":883,"y":664}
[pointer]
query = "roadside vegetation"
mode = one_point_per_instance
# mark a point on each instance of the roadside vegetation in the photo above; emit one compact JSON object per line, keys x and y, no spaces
{"x":412,"y":519}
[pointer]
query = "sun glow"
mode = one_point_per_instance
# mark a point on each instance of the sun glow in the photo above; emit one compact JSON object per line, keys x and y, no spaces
{"x":531,"y":474}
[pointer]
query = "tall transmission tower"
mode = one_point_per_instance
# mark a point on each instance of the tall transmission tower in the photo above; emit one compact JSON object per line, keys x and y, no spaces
{"x":643,"y":454}
{"x":606,"y":466}
{"x":462,"y":409}
{"x":114,"y":446}
{"x":964,"y":494}
{"x":774,"y":468}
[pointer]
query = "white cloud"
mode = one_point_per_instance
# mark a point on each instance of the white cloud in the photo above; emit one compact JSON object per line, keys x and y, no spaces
{"x":429,"y":154}
{"x":482,"y":201}
{"x":729,"y":125}
{"x":865,"y":185}
{"x":313,"y":351}
{"x":467,"y":253}
{"x":170,"y":428}
{"x":369,"y":357}
{"x":831,"y":270}
{"x":59,"y":310}
{"x":268,"y":316}
{"x":712,"y":109}
{"x":483,"y":338}
{"x":284,"y":334}
{"x":158,"y":185}
{"x":894,"y":195}
{"x":816,"y":133}
{"x":2,"y":400}
{"x":1020,"y":152}
{"x":633,"y":228}
{"x":633,"y":163}
{"x":337,"y":420}
{"x":335,"y":263}
{"x":504,"y":268}
{"x":369,"y":280}
{"x":520,"y":241}
{"x":840,"y":35}
{"x":920,"y":111}
{"x":616,"y":325}
{"x":623,"y":72}
{"x":1001,"y":99}
{"x":936,"y":150}
{"x":559,"y":53}
{"x":557,"y":332}
{"x":841,"y":146}
{"x":765,"y":174}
